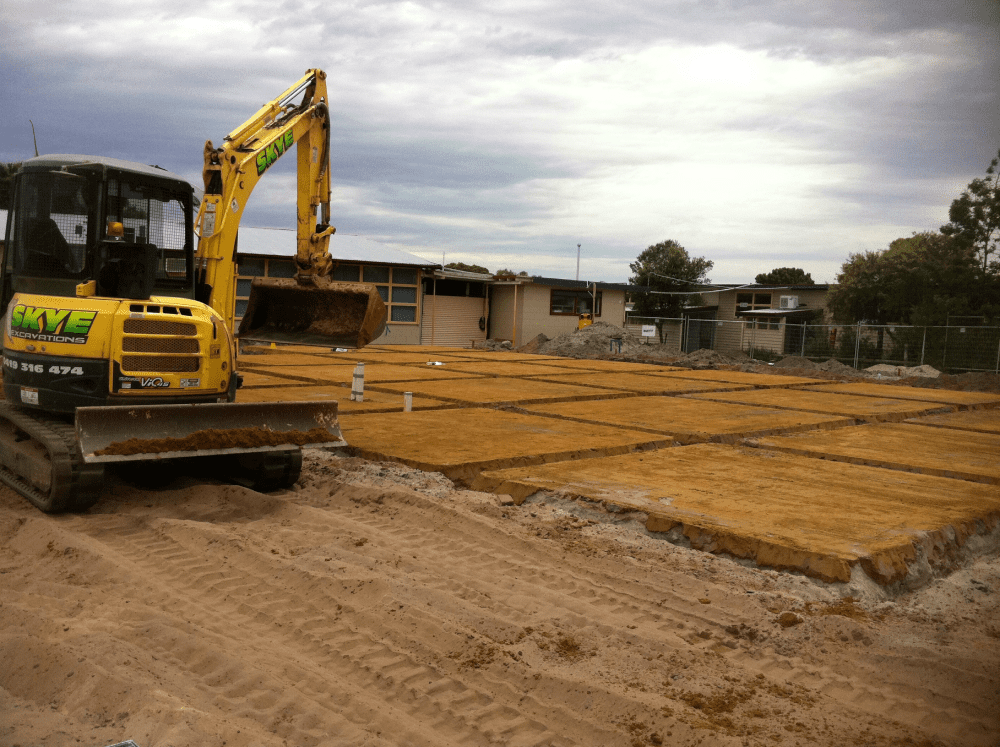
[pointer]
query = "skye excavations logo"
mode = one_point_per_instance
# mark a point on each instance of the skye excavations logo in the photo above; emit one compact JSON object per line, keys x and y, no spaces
{"x":274,"y":151}
{"x":50,"y":325}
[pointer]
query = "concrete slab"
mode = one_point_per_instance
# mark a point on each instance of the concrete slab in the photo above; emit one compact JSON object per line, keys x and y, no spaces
{"x":692,"y":421}
{"x":501,"y":391}
{"x":640,"y":383}
{"x":767,"y":381}
{"x":960,"y":455}
{"x":784,"y":511}
{"x":981,"y":421}
{"x":870,"y":409}
{"x":961,"y":400}
{"x":462,"y":443}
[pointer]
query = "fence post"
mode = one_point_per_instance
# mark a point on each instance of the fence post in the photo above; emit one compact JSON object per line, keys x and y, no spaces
{"x":805,"y":327}
{"x":857,"y":345}
{"x":923,"y":347}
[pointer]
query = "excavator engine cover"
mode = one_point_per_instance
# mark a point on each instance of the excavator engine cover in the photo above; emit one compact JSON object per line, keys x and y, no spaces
{"x":320,"y":312}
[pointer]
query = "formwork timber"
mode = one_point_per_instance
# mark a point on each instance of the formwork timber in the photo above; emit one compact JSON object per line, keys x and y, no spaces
{"x":962,"y":455}
{"x":766,"y":381}
{"x":641,"y":384}
{"x":338,"y":373}
{"x":691,"y":421}
{"x":961,"y":400}
{"x":872,"y":409}
{"x":824,"y":519}
{"x":462,"y":443}
{"x":981,"y":421}
{"x":827,"y":517}
{"x":502,"y":391}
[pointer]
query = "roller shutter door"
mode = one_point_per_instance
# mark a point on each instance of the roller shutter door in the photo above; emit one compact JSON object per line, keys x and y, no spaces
{"x":454,"y":320}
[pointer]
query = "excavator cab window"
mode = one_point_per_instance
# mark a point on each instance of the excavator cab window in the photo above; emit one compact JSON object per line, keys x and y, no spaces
{"x":53,"y":221}
{"x":155,"y":223}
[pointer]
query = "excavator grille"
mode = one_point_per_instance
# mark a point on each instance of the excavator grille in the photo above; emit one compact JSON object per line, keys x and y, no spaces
{"x":160,"y":345}
{"x":159,"y":327}
{"x":157,"y":363}
{"x":169,"y":346}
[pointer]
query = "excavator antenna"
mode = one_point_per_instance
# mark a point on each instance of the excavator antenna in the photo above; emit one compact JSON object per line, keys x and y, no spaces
{"x":33,"y":137}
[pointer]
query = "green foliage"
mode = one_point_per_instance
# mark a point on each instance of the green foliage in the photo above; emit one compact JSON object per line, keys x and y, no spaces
{"x":509,"y":273}
{"x":917,"y":280}
{"x":974,"y":219}
{"x":667,"y":268}
{"x":785,"y":276}
{"x":7,"y":171}
{"x":467,"y":268}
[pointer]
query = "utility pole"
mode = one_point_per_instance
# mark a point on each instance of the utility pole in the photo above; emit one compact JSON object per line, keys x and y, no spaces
{"x":577,"y":261}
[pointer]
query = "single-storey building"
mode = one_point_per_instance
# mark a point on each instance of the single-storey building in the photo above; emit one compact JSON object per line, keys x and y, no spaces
{"x":747,"y":317}
{"x":524,"y":307}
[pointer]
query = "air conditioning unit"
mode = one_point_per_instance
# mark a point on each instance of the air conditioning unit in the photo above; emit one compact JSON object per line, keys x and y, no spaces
{"x":789,"y":302}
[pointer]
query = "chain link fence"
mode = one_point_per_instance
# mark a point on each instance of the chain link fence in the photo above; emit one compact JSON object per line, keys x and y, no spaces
{"x":954,"y":348}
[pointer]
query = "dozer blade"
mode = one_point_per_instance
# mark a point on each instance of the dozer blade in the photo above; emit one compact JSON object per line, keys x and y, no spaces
{"x":133,"y":432}
{"x":323,"y":312}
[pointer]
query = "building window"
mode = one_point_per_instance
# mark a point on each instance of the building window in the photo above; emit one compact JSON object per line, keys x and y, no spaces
{"x":573,"y":303}
{"x":396,"y":285}
{"x":751,"y":301}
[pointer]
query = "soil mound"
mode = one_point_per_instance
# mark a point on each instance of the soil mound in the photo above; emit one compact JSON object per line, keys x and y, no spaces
{"x":600,"y":338}
{"x":533,"y":345}
{"x":884,"y":369}
{"x":795,"y":361}
{"x":835,"y":366}
{"x":966,"y":382}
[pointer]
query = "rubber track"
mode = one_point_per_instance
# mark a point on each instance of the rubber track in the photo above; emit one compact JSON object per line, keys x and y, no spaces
{"x":76,"y":485}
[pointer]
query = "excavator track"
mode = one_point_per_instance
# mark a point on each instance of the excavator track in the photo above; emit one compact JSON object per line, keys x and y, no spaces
{"x":40,"y":459}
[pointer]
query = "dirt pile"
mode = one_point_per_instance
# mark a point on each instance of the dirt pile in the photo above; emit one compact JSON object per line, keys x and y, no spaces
{"x":600,"y":338}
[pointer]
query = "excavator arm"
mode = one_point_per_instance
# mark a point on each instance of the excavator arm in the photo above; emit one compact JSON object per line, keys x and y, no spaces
{"x":308,"y":308}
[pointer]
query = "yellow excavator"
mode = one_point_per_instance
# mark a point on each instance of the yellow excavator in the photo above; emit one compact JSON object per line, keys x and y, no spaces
{"x":119,"y":341}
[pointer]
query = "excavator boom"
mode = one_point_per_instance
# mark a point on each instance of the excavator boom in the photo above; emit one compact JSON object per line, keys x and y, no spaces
{"x":326,"y":313}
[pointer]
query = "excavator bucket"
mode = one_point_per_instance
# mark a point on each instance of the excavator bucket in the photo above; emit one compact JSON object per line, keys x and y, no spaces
{"x":134,"y":432}
{"x":323,"y":312}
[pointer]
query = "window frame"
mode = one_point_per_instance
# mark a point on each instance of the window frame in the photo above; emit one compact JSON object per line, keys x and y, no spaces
{"x":385,"y":289}
{"x":577,"y":296}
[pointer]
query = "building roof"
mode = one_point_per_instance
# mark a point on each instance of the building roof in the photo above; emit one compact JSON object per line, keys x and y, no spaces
{"x":280,"y":242}
{"x":577,"y":284}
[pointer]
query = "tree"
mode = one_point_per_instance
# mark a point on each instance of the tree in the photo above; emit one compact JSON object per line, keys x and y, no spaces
{"x":920,"y":279}
{"x":785,"y":276}
{"x":670,"y":274}
{"x":974,"y":218}
{"x":467,"y":268}
{"x":510,"y":273}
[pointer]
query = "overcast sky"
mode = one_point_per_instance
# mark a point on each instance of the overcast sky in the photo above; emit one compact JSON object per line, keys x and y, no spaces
{"x":756,"y":133}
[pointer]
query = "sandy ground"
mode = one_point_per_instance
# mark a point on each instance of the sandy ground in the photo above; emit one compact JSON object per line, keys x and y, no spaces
{"x":377,"y":605}
{"x":374,"y":604}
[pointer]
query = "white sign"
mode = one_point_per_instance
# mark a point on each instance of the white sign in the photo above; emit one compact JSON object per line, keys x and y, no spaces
{"x":649,"y":330}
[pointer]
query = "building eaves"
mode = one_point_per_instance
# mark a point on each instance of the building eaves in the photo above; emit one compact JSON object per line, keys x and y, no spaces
{"x":281,"y":242}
